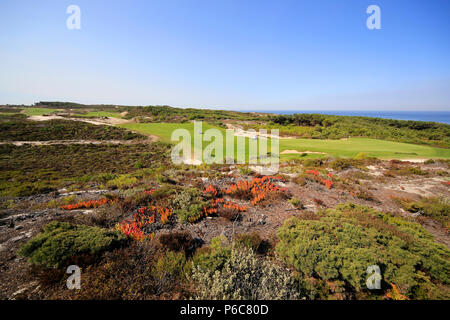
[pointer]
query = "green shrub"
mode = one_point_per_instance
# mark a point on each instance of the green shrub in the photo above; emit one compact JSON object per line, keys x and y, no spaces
{"x":212,"y":258}
{"x":341,"y":164}
{"x":61,"y":241}
{"x":172,"y":266}
{"x":435,"y":208}
{"x":188,"y":204}
{"x":349,"y":238}
{"x":249,"y":240}
{"x":297,"y":203}
{"x":245,"y":171}
{"x":122,"y":182}
{"x":361,"y":156}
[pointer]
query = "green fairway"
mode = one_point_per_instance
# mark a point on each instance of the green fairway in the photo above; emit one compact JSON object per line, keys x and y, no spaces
{"x":39,"y":111}
{"x":164,"y":132}
{"x":98,"y":114}
{"x":337,"y":148}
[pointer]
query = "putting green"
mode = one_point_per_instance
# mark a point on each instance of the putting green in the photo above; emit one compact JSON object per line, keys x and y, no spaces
{"x":376,"y":148}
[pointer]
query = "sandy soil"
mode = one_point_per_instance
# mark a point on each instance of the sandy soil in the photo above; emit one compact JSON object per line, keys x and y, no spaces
{"x":53,"y":142}
{"x":96,"y":121}
{"x":239,"y":132}
{"x":417,"y":160}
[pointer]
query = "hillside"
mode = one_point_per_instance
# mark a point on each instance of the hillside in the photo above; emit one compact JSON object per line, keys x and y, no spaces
{"x":95,"y":186}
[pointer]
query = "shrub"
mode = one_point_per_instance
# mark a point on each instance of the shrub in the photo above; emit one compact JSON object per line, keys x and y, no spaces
{"x":252,"y":241}
{"x":312,"y":162}
{"x":244,"y":276}
{"x":346,"y":240}
{"x":435,"y":208}
{"x":341,"y":164}
{"x":171,"y":267}
{"x":297,"y":203}
{"x":122,"y":182}
{"x":361,"y":156}
{"x":177,"y":241}
{"x":245,"y":171}
{"x":258,"y":189}
{"x":61,"y":241}
{"x":212,"y":258}
{"x":140,"y":271}
{"x":365,"y":195}
{"x":163,"y":192}
{"x":188,"y":204}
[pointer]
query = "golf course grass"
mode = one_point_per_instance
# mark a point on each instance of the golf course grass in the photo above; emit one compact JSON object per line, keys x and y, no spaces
{"x":337,"y":148}
{"x":39,"y":111}
{"x":98,"y":114}
{"x":373,"y":147}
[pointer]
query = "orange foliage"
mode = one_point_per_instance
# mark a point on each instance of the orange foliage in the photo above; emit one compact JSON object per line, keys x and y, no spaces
{"x":257,"y":188}
{"x":88,"y":204}
{"x":395,"y":294}
{"x":326,"y":182}
{"x":146,"y":215}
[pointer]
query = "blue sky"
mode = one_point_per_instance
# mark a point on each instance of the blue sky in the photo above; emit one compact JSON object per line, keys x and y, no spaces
{"x":247,"y":54}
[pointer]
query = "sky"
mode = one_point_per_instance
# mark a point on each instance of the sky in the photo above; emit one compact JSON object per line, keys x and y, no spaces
{"x":227,"y":54}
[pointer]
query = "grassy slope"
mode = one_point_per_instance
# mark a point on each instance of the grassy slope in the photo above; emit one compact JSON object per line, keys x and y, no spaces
{"x":164,"y":132}
{"x":338,"y":148}
{"x":39,"y":111}
{"x":97,"y":114}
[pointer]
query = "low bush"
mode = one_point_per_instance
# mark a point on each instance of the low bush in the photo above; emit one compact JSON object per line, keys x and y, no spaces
{"x":340,"y":246}
{"x":179,"y":241}
{"x":297,"y":203}
{"x":253,"y":241}
{"x":140,"y":271}
{"x":60,"y":241}
{"x":435,"y":208}
{"x":212,"y":258}
{"x":364,"y":194}
{"x":122,"y":182}
{"x":341,"y":164}
{"x":188,"y":204}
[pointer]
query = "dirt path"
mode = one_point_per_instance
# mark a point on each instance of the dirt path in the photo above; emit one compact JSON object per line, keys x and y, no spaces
{"x":54,"y":142}
{"x":96,"y":121}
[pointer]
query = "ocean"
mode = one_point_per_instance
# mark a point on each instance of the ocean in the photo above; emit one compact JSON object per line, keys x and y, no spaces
{"x":435,"y":116}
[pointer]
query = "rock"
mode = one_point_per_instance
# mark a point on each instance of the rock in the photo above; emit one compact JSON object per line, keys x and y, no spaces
{"x":15,"y":239}
{"x":18,"y":227}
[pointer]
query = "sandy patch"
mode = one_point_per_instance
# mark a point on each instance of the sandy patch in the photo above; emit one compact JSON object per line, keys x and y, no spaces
{"x":96,"y":121}
{"x":418,"y":160}
{"x":252,"y":134}
{"x":54,"y":142}
{"x":265,"y":171}
{"x":424,"y":188}
{"x":45,"y":118}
